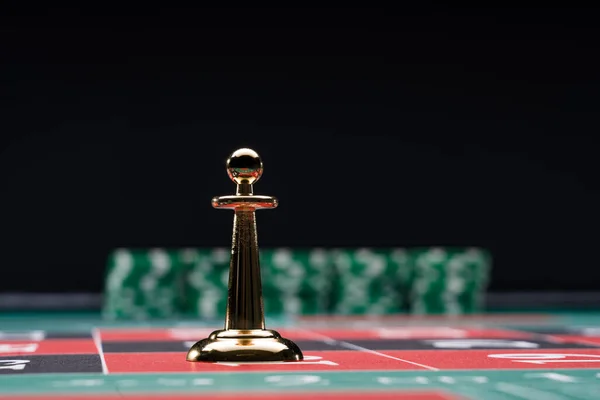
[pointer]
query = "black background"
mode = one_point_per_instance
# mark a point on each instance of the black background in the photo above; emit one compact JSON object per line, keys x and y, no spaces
{"x":377,"y":127}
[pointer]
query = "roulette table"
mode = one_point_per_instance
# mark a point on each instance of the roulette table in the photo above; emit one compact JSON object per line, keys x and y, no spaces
{"x":499,"y":355}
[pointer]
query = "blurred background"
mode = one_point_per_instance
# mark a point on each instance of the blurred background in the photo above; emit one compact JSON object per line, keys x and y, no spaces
{"x":379,"y":128}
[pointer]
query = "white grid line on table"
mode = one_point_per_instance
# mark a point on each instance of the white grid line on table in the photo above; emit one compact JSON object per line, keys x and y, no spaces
{"x":97,"y":337}
{"x":352,"y":346}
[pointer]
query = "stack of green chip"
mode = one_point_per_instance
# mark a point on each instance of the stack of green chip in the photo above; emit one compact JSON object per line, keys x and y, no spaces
{"x":206,"y":281}
{"x":160,"y":283}
{"x":366,"y":282}
{"x":142,"y":284}
{"x":448,"y":280}
{"x":401,"y":271}
{"x":296,"y":282}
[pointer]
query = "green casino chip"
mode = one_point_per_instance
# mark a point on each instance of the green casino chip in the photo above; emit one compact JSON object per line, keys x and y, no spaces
{"x":367,"y":282}
{"x":142,"y":284}
{"x":206,"y":281}
{"x":401,"y":271}
{"x":296,"y":281}
{"x":449,"y":280}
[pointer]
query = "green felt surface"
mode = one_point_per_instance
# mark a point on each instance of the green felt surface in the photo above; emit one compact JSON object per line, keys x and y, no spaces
{"x":86,"y":320}
{"x":512,"y":384}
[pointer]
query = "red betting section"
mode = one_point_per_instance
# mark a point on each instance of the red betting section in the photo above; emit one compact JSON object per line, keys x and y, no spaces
{"x":591,"y":340}
{"x":47,"y":347}
{"x":316,"y":361}
{"x":358,"y":360}
{"x":503,"y":359}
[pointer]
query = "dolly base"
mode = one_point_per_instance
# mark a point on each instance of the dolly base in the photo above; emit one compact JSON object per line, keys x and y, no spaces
{"x":255,"y":345}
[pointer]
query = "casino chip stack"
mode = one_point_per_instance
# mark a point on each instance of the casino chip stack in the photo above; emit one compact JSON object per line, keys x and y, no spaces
{"x":293,"y":282}
{"x":367,"y":282}
{"x":193,"y":282}
{"x":296,"y":282}
{"x":448,"y":281}
{"x":142,"y":284}
{"x":206,"y":279}
{"x":401,"y":271}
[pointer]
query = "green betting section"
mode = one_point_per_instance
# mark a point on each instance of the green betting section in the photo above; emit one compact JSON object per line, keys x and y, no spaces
{"x":165,"y":283}
{"x":490,"y":385}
